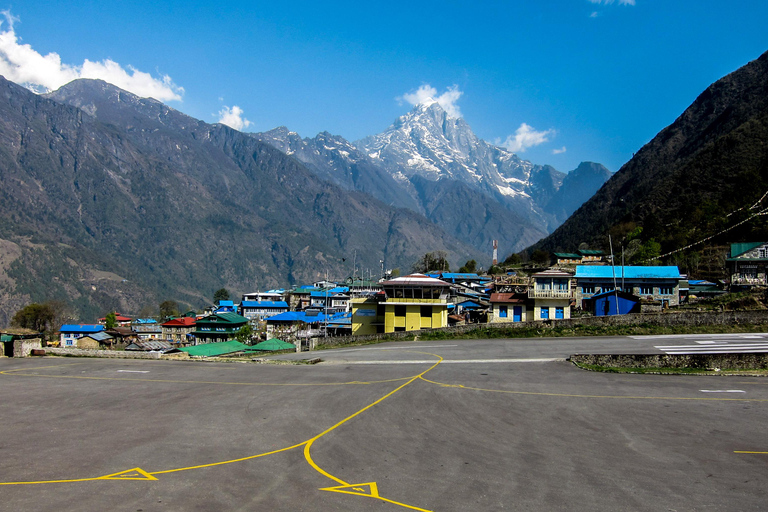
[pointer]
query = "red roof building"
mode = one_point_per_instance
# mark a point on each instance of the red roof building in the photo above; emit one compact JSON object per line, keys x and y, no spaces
{"x":177,"y":331}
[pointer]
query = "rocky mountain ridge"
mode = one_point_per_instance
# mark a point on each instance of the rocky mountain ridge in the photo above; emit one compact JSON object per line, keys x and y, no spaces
{"x":702,"y":181}
{"x":113,"y":202}
{"x":435,"y":165}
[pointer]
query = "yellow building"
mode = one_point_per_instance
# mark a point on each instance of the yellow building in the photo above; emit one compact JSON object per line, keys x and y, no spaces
{"x":407,"y":303}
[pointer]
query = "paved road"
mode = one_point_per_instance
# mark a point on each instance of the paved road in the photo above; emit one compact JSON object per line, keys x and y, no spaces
{"x":469,"y":425}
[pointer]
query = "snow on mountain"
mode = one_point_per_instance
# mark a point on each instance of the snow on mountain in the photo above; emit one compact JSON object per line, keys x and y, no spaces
{"x":430,"y":143}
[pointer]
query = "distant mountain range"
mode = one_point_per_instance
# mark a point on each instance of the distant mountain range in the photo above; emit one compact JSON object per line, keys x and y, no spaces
{"x":433,"y":164}
{"x":702,"y":181}
{"x":113,"y":202}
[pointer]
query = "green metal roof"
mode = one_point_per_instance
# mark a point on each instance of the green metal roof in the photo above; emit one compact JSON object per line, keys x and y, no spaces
{"x":740,"y":248}
{"x":215,"y":349}
{"x":591,"y":252}
{"x":567,"y":255}
{"x":273,"y":345}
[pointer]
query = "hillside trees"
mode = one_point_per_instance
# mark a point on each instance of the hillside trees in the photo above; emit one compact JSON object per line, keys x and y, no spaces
{"x":38,"y":317}
{"x":437,"y":260}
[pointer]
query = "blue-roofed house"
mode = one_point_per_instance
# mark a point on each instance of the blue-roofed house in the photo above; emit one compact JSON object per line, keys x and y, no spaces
{"x":614,"y":302}
{"x":747,"y":264}
{"x":295,"y":323}
{"x":647,"y":282}
{"x":263,"y":309}
{"x":70,"y":333}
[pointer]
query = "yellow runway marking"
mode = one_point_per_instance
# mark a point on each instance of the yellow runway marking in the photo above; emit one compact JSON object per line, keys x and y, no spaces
{"x":755,"y":453}
{"x":571,"y":395}
{"x":369,"y":489}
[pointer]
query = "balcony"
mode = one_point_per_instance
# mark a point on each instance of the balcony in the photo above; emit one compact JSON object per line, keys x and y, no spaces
{"x":549,"y":294}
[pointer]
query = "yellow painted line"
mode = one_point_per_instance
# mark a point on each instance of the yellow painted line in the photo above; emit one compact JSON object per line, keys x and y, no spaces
{"x":224,"y":383}
{"x":756,"y":453}
{"x":317,"y":468}
{"x":212,"y":464}
{"x":570,"y":395}
{"x":52,"y":365}
{"x":139,"y":474}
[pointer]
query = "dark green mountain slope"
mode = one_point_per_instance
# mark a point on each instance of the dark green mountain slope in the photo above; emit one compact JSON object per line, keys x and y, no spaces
{"x":703,"y":174}
{"x":108,"y":201}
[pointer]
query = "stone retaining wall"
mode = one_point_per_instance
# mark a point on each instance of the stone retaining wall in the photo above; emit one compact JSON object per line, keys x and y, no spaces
{"x":701,"y":361}
{"x":115,"y":354}
{"x":692,"y":318}
{"x":23,"y":348}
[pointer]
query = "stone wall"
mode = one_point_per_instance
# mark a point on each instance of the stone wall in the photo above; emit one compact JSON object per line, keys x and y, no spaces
{"x":692,"y":318}
{"x":702,"y":361}
{"x":23,"y":348}
{"x":114,"y":354}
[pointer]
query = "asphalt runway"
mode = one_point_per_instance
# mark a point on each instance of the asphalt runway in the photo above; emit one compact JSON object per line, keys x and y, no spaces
{"x":470,"y":425}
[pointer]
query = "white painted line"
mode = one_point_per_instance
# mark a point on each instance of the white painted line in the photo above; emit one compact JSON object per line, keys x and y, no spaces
{"x":133,"y":371}
{"x":683,"y":336}
{"x":716,"y":347}
{"x":707,"y":342}
{"x":452,"y":361}
{"x":722,"y":391}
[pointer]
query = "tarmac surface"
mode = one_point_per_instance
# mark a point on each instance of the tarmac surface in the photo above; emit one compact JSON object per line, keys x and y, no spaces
{"x":463,"y":425}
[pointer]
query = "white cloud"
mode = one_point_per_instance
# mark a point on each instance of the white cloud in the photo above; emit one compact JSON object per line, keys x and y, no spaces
{"x":526,"y":137}
{"x":426,"y":94}
{"x":20,"y":63}
{"x":233,"y":117}
{"x":559,"y":151}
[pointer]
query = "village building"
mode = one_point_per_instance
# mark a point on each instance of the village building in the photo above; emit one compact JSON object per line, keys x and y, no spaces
{"x":179,"y":330}
{"x":257,"y":311}
{"x":747,"y":264}
{"x":407,"y":303}
{"x":218,"y":327}
{"x":147,"y":330}
{"x":508,"y":307}
{"x":70,"y":333}
{"x":650,"y":283}
{"x":551,"y":293}
{"x":122,"y":320}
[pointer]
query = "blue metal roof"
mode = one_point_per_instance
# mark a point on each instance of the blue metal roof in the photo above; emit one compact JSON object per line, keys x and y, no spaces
{"x":608,"y":272}
{"x":297,"y":316}
{"x":81,"y":328}
{"x":263,"y":304}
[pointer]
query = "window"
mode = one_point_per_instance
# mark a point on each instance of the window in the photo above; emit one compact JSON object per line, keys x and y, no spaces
{"x":665,"y":290}
{"x":426,"y":311}
{"x":545,"y":313}
{"x":502,"y":311}
{"x":399,"y":310}
{"x":646,"y":290}
{"x":587,"y":288}
{"x":559,"y":312}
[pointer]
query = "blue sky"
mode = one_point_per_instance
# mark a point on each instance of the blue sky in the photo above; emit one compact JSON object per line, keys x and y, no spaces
{"x":575,"y":80}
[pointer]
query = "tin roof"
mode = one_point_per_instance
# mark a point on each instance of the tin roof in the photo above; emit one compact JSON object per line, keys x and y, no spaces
{"x":263,"y":304}
{"x":185,"y":321}
{"x":81,"y":328}
{"x":215,"y":349}
{"x":633,"y":272}
{"x":415,"y":280}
